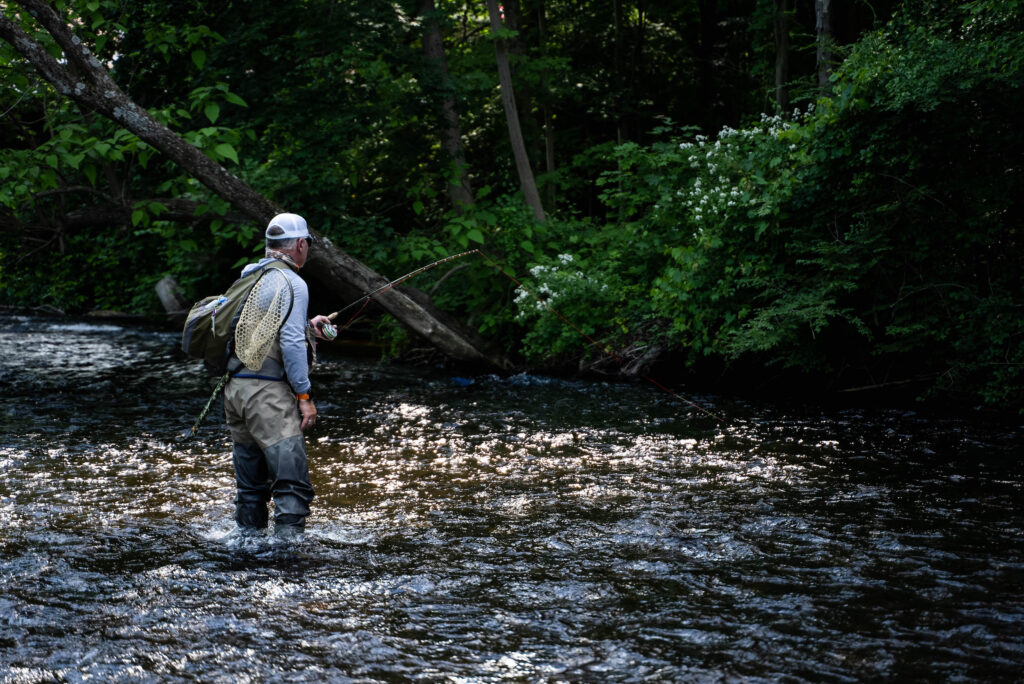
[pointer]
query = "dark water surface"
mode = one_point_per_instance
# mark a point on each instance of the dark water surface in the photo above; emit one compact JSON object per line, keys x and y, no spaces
{"x":512,"y":529}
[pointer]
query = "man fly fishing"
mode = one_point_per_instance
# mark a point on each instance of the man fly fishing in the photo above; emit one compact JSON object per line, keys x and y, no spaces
{"x":268,"y":400}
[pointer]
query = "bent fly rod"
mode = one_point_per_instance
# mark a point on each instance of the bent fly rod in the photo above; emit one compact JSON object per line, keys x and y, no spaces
{"x":330,"y":332}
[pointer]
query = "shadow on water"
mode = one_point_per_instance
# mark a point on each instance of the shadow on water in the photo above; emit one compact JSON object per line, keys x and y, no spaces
{"x":494,"y":528}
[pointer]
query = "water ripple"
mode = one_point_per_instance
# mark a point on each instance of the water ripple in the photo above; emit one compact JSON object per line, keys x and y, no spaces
{"x":519,"y":528}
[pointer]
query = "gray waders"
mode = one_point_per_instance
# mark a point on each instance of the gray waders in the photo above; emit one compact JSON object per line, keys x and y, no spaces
{"x":269,"y":454}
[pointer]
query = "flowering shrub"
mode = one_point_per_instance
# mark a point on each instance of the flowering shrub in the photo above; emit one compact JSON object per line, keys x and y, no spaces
{"x":874,"y":238}
{"x":560,"y":288}
{"x":733,"y":282}
{"x":730,"y":176}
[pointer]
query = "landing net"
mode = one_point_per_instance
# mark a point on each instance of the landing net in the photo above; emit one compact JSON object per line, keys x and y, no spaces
{"x":264,"y":312}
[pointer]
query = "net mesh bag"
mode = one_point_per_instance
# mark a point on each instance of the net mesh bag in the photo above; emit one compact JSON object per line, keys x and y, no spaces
{"x":262,"y":317}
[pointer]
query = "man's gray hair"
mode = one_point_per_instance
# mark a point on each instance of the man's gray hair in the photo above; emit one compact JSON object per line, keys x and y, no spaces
{"x":279,"y":243}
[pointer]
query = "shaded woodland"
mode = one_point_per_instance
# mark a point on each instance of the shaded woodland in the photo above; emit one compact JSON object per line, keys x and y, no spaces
{"x":762,"y":193}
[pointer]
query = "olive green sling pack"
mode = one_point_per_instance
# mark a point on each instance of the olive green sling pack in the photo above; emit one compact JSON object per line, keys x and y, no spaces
{"x":209,"y":333}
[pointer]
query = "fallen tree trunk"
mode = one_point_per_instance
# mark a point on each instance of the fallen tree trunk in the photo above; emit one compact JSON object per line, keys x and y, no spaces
{"x":84,"y":79}
{"x":412,"y":307}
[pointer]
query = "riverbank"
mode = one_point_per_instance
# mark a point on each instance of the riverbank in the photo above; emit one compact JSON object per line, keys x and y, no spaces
{"x":742,"y":381}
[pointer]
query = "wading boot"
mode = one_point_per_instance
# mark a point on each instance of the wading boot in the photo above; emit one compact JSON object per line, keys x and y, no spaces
{"x":289,"y":527}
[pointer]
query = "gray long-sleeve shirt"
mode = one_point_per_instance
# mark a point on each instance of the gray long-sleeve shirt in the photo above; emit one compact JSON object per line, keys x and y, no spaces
{"x":293,"y":333}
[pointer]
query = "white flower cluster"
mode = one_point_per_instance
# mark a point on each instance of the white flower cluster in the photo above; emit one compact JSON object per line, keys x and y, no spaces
{"x":552,"y":283}
{"x":714,"y":193}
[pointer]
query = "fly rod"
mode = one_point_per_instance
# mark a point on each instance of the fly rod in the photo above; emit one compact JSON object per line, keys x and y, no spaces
{"x":331,"y":331}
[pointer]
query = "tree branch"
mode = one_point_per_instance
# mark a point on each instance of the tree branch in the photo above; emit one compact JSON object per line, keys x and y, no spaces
{"x":94,"y":89}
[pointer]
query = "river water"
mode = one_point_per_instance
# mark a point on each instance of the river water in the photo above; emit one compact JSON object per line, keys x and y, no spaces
{"x":494,"y":529}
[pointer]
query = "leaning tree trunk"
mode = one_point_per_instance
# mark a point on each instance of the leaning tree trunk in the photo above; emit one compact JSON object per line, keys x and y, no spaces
{"x":548,"y":119}
{"x":706,"y":58}
{"x":89,"y":84}
{"x":515,"y":130}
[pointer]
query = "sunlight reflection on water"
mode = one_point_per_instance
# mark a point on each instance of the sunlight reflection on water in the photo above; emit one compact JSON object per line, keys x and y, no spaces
{"x":516,"y":528}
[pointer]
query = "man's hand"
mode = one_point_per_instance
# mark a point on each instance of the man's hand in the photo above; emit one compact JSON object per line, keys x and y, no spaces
{"x":308,"y":411}
{"x":318,"y":323}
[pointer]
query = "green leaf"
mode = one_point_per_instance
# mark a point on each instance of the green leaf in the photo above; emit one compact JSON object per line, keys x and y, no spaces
{"x":226,"y":150}
{"x":475,"y":235}
{"x":137,"y":216}
{"x":199,"y":58}
{"x":212,"y":111}
{"x":235,"y":99}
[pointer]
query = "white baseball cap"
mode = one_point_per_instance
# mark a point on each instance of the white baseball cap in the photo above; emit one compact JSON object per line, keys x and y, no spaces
{"x":293,"y":225}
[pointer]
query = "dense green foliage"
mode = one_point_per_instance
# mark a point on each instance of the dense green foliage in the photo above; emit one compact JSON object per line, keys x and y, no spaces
{"x":872,"y":237}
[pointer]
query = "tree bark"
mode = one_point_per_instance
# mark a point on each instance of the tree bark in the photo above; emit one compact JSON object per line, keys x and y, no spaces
{"x":823,"y":28}
{"x":782,"y":18}
{"x":515,"y":132}
{"x":617,"y":71}
{"x":706,"y":58}
{"x":169,"y":293}
{"x":548,"y":120}
{"x":459,"y":190}
{"x":89,"y":84}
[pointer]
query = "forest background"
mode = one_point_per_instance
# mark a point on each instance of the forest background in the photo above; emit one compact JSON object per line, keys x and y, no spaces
{"x":757,"y":193}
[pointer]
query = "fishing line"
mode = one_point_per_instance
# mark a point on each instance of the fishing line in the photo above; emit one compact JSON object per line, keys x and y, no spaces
{"x":366,"y":298}
{"x":331,"y":331}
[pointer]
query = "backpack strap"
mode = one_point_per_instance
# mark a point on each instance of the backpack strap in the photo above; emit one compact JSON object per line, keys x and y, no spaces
{"x":276,"y":264}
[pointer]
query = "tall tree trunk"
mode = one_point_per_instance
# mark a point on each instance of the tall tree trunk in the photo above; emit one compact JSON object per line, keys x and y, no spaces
{"x":459,"y":190}
{"x":548,"y":119}
{"x":823,"y":28}
{"x":515,"y":132}
{"x":617,"y":70}
{"x":705,"y":52}
{"x":88,"y":83}
{"x":783,"y":9}
{"x":512,"y":18}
